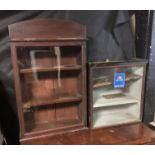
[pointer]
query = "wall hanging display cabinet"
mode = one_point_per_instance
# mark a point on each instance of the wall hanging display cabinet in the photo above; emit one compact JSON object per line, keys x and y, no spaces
{"x":49,"y":65}
{"x":116,"y":92}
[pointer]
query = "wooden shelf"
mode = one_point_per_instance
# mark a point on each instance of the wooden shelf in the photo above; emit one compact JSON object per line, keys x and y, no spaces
{"x":49,"y":125}
{"x":56,"y":68}
{"x":123,"y":100}
{"x":108,"y":80}
{"x":113,"y":119}
{"x":56,"y":99}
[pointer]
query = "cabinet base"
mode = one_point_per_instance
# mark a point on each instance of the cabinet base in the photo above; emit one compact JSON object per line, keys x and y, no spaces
{"x":44,"y":138}
{"x":135,"y":133}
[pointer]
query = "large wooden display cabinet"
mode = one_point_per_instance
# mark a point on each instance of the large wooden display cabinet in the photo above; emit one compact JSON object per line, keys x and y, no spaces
{"x":49,"y":65}
{"x":116,"y":92}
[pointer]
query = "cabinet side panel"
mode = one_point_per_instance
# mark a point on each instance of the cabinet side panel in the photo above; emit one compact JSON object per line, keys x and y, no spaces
{"x":17,"y":88}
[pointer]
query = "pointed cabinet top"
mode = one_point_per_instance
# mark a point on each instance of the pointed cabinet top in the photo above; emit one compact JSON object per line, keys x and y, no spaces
{"x":46,"y":30}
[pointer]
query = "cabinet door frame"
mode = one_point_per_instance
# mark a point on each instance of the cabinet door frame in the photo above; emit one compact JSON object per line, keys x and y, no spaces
{"x":121,"y":64}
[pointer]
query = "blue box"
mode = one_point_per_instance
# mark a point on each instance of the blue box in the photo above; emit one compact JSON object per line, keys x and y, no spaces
{"x":119,"y":80}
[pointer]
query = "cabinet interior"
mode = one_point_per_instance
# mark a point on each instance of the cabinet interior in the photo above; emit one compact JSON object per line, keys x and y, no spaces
{"x":51,"y":83}
{"x":113,"y":106}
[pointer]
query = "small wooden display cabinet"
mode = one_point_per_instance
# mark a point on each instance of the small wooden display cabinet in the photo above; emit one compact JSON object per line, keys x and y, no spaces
{"x":116,"y":92}
{"x":49,"y":64}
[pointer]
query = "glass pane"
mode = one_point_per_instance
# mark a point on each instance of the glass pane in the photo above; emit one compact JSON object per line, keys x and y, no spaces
{"x":116,"y":95}
{"x":46,"y":57}
{"x":51,"y":86}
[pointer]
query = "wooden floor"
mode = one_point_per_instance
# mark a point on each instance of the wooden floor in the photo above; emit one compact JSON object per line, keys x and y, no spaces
{"x":136,"y":133}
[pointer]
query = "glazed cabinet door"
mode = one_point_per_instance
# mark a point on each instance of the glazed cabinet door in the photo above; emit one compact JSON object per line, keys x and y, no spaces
{"x":116,"y":94}
{"x":51,"y":86}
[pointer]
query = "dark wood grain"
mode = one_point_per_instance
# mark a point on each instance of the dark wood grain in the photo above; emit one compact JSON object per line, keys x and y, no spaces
{"x":45,"y":30}
{"x":137,"y":133}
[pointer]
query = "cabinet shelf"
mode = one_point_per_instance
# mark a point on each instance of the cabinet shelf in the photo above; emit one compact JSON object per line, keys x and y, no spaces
{"x":113,"y":119}
{"x":56,"y":99}
{"x":56,"y":68}
{"x":51,"y":125}
{"x":107,"y":80}
{"x":122,"y":100}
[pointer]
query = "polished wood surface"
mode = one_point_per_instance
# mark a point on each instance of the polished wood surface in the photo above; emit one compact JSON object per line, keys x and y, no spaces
{"x":136,"y":133}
